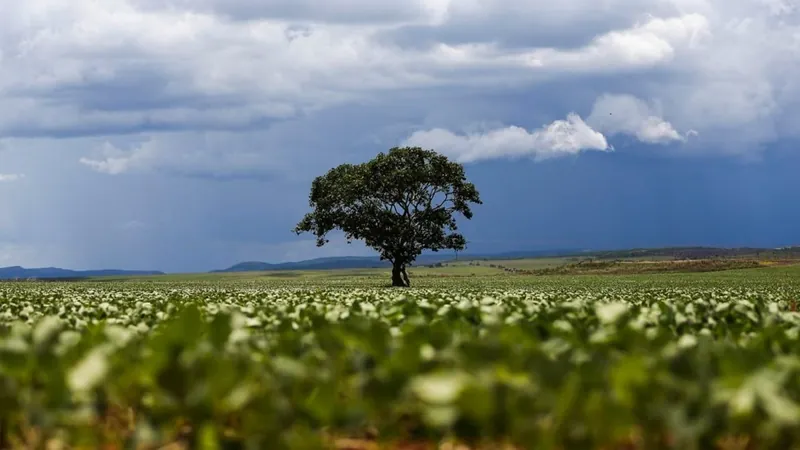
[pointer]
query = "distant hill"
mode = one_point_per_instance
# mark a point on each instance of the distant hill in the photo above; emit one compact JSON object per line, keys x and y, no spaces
{"x":368,"y":262}
{"x":344,"y":262}
{"x":698,"y":253}
{"x":53,"y":273}
{"x":371,"y":262}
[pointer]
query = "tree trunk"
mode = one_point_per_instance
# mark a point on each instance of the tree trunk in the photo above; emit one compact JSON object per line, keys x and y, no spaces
{"x":398,"y":270}
{"x":405,"y":276}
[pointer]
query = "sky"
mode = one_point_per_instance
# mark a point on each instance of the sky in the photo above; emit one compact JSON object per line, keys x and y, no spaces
{"x":183,"y":135}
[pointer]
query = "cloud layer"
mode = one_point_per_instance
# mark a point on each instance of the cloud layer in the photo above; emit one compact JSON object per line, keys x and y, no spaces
{"x":135,"y":110}
{"x":10,"y":177}
{"x":122,"y":66}
{"x":611,"y":115}
{"x":625,"y":114}
{"x":562,"y":137}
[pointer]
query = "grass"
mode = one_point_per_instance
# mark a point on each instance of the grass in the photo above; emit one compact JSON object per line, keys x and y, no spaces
{"x":524,"y":263}
{"x":728,"y":272}
{"x":528,"y":271}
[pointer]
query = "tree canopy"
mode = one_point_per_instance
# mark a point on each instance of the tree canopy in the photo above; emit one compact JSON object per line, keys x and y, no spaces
{"x":399,"y":203}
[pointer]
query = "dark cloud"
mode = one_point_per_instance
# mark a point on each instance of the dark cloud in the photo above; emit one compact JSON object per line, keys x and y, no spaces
{"x":207,"y":120}
{"x":341,"y":11}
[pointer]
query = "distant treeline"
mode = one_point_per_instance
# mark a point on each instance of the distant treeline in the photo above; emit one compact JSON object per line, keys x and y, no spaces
{"x":701,"y":253}
{"x":622,"y":266}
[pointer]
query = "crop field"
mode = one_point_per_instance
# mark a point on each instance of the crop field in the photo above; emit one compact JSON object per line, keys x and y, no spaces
{"x":261,"y":361}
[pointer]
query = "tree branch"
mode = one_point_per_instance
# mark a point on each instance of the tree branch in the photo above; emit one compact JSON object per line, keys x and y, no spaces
{"x":446,"y":198}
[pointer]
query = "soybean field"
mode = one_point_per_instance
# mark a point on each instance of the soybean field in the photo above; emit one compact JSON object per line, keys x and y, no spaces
{"x":258,"y":361}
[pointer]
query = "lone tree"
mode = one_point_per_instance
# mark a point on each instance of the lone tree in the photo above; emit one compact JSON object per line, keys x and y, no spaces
{"x":400,"y":203}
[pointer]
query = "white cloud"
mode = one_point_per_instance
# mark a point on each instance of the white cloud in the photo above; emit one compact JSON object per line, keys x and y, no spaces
{"x":781,"y":7}
{"x":722,"y":67}
{"x":654,"y":42}
{"x":626,"y":114}
{"x":337,"y":11}
{"x":560,"y":138}
{"x":10,"y":177}
{"x":61,"y":60}
{"x":289,"y":149}
{"x":612,"y":114}
{"x":205,"y":154}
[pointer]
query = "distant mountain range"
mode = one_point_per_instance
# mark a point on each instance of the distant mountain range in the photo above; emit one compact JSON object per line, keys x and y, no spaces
{"x":15,"y":272}
{"x":369,"y":262}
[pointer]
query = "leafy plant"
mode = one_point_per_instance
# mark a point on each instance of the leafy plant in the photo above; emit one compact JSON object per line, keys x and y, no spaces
{"x":689,"y":363}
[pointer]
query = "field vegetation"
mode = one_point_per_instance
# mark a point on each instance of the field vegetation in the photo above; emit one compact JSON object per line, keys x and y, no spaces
{"x":338,"y":360}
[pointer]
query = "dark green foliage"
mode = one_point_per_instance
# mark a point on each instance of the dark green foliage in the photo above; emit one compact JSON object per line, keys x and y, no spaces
{"x":590,"y":366}
{"x":400,"y":203}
